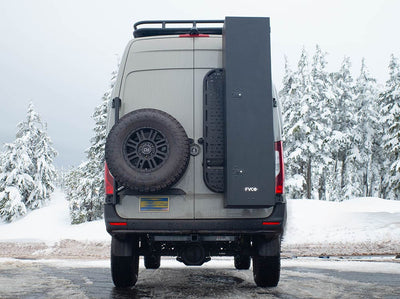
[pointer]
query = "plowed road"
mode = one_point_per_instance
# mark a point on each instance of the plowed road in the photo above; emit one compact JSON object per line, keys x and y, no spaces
{"x":300,"y":278}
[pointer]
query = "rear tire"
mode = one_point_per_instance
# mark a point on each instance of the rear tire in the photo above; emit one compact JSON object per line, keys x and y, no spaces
{"x":125,"y":269}
{"x":266,"y":270}
{"x":152,"y":261}
{"x":242,"y":262}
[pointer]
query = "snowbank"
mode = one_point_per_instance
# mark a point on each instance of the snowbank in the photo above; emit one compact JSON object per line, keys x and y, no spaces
{"x":361,"y":220}
{"x":52,"y":224}
{"x":358,"y":221}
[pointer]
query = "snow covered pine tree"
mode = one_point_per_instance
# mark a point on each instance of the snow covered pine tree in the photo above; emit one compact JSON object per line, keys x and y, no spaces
{"x":337,"y":143}
{"x":342,"y":139}
{"x":305,"y":98}
{"x":389,"y":101}
{"x":27,"y":171}
{"x":322,"y":117}
{"x":85,"y":183}
{"x":16,"y":182}
{"x":296,"y":129}
{"x":367,"y":138}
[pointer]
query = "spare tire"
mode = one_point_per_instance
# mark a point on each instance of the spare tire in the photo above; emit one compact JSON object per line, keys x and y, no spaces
{"x":147,"y":150}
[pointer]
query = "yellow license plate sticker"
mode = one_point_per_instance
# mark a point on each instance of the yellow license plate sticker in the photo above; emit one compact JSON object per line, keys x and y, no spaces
{"x":154,"y":204}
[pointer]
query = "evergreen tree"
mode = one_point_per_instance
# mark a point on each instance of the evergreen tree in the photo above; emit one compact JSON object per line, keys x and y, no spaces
{"x":294,"y":182}
{"x":322,"y":122}
{"x":27,"y":171}
{"x":16,"y":182}
{"x":41,"y":154}
{"x":85,"y":184}
{"x":85,"y":199}
{"x":300,"y":122}
{"x":341,"y":140}
{"x":61,"y":178}
{"x":307,"y":96}
{"x":366,"y":136}
{"x":389,"y":101}
{"x":288,"y":83}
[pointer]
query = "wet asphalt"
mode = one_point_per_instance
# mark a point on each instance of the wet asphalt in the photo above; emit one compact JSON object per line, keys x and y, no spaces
{"x":43,"y":279}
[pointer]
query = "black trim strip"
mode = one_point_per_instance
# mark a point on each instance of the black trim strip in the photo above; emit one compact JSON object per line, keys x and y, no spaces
{"x":209,"y":226}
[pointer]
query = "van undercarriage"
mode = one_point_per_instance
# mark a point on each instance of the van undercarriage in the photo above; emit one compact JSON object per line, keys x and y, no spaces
{"x":193,"y":242}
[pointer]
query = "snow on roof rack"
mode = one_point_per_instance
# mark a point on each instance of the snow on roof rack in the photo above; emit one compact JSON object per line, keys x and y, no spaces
{"x":160,"y":27}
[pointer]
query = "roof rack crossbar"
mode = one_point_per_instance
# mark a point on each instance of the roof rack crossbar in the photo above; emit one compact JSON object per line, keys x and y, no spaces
{"x":163,"y":23}
{"x":162,"y":28}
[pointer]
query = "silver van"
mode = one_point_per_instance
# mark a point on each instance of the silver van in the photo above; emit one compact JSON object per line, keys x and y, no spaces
{"x":194,"y":163}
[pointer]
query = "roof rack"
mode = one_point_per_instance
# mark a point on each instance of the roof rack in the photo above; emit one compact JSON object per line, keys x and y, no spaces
{"x":163,"y":30}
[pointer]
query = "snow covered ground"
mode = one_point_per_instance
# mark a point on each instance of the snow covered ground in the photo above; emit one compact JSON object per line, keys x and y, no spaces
{"x":356,"y":226}
{"x":52,"y":224}
{"x":361,"y":220}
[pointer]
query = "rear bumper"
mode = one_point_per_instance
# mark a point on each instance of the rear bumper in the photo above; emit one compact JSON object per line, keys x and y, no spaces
{"x":271,"y":226}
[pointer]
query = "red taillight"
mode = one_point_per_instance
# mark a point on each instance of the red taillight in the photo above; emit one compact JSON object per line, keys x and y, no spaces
{"x":118,"y":223}
{"x":280,"y":176}
{"x":108,"y":181}
{"x":271,"y":223}
{"x":194,"y":35}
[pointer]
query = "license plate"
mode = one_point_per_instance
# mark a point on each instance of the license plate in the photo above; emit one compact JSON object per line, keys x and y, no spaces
{"x":154,"y":204}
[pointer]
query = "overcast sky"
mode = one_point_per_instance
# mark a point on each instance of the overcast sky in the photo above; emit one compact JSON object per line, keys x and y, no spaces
{"x":59,"y":54}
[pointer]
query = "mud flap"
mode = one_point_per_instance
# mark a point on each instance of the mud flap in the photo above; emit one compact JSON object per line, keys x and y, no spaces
{"x":269,"y":248}
{"x":121,"y":247}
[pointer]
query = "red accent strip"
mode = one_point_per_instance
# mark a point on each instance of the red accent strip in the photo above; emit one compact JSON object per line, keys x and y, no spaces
{"x":194,"y":35}
{"x":108,"y":181}
{"x":280,"y":178}
{"x":118,"y":223}
{"x":271,"y":223}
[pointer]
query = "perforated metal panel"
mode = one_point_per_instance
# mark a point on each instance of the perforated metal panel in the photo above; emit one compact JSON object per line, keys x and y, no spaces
{"x":214,"y":142}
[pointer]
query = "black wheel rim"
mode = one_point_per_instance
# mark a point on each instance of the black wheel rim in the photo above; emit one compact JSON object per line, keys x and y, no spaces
{"x":146,"y":149}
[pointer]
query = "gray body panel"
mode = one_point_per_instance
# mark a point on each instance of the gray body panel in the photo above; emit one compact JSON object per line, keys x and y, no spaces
{"x":167,"y":73}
